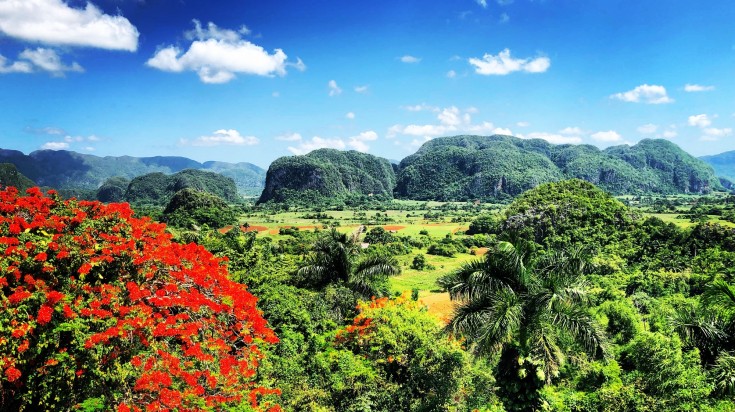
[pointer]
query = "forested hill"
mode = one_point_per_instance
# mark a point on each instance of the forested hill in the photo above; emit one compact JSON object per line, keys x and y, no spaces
{"x":10,"y":176}
{"x":62,"y":169}
{"x":328,"y":174}
{"x":491,"y":167}
{"x":723,"y":164}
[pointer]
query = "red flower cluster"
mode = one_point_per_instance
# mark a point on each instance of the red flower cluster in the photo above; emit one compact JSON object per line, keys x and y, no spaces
{"x":97,"y":291}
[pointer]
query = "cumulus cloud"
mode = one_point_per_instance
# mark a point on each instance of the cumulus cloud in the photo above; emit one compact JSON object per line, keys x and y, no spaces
{"x":230,"y":137}
{"x":39,"y":59}
{"x":451,"y":120}
{"x":217,"y":55}
{"x":317,"y":142}
{"x":717,"y":133}
{"x":334,"y":90}
{"x":410,"y":59}
{"x":700,"y":120}
{"x":553,"y":138}
{"x":359,"y":143}
{"x":575,"y":131}
{"x":15,"y":67}
{"x":361,"y":89}
{"x":482,"y":3}
{"x":503,"y":64}
{"x":692,"y":88}
{"x":56,"y":23}
{"x":55,"y":146}
{"x":607,"y":136}
{"x":645,"y":93}
{"x":669,"y":134}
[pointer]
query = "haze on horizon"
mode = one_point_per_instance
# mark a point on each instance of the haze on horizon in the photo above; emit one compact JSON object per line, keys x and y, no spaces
{"x":252,"y":81}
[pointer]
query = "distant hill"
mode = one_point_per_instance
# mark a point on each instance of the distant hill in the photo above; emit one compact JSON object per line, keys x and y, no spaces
{"x":158,"y":188}
{"x":10,"y":176}
{"x":492,"y":167}
{"x":62,"y":169}
{"x":723,"y":164}
{"x":327,"y":174}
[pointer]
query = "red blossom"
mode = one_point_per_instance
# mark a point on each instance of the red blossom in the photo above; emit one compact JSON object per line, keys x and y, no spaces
{"x":44,"y":314}
{"x":12,"y":374}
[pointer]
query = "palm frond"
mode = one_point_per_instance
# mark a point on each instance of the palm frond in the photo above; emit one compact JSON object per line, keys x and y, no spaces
{"x":574,"y":320}
{"x":489,"y":323}
{"x":720,"y":295}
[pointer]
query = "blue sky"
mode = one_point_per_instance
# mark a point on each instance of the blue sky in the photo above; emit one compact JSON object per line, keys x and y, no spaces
{"x":252,"y":81}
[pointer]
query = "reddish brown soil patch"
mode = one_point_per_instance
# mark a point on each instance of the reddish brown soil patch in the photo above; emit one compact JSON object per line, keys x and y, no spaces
{"x":254,"y":228}
{"x":307,"y":227}
{"x":225,"y":229}
{"x":393,"y":227}
{"x":273,"y":232}
{"x":480,"y":251}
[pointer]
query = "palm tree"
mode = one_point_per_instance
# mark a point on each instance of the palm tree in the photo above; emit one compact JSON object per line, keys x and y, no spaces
{"x":711,"y":328}
{"x":335,"y":259}
{"x":523,"y":308}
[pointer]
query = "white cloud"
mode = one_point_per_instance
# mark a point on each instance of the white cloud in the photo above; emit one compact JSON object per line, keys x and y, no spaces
{"x":410,"y":59}
{"x":700,"y":120}
{"x":48,"y":60}
{"x":607,"y":136}
{"x":503,"y":130}
{"x":482,"y":3}
{"x":575,"y":131}
{"x":55,"y":146}
{"x":15,"y":67}
{"x":553,"y":138}
{"x":56,"y":23}
{"x":451,"y":74}
{"x":523,"y":124}
{"x":358,"y":142}
{"x":334,"y":90}
{"x":217,"y":55}
{"x":503,"y":64}
{"x":650,"y":94}
{"x":317,"y":142}
{"x":229,"y":137}
{"x":350,"y":115}
{"x":504,"y":18}
{"x":649,"y":128}
{"x":697,"y":88}
{"x":715,"y":132}
{"x":291,"y":137}
{"x":361,"y":89}
{"x":39,"y":59}
{"x":451,"y":119}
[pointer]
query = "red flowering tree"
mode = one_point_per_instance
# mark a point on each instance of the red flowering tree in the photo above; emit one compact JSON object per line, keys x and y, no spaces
{"x":102,"y":310}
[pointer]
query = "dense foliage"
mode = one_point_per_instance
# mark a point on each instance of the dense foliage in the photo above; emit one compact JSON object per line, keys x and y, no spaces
{"x":478,"y":167}
{"x":10,"y":176}
{"x":327,"y":174}
{"x":102,"y":310}
{"x":189,"y":208}
{"x":159,"y":189}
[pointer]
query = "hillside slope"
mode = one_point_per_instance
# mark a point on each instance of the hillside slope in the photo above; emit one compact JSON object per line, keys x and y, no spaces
{"x":327,"y":174}
{"x":496,"y":167}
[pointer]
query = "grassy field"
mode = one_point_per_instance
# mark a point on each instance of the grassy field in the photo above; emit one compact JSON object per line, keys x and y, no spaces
{"x":685,"y":223}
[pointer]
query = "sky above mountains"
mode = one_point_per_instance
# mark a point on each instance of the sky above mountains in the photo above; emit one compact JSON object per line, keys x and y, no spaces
{"x":255,"y":80}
